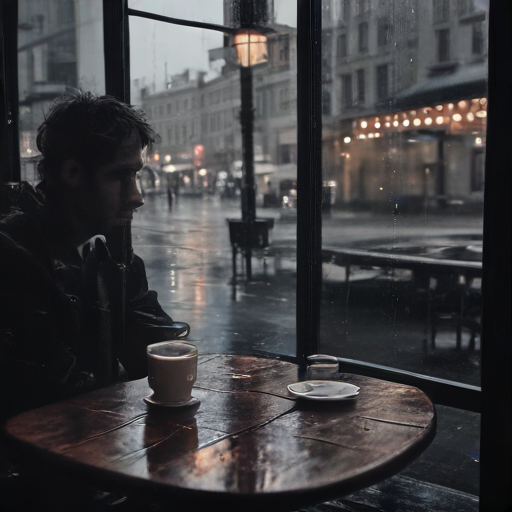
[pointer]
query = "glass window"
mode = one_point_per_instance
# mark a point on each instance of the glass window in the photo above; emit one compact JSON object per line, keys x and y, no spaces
{"x":405,"y":178}
{"x":382,"y":82}
{"x":186,"y":244}
{"x":382,"y":32}
{"x":403,"y":154}
{"x":363,"y":36}
{"x":343,"y":10}
{"x":60,"y":45}
{"x":441,"y":10}
{"x":360,"y":86}
{"x":342,"y":50}
{"x":443,"y":45}
{"x":346,"y":81}
{"x":478,"y":39}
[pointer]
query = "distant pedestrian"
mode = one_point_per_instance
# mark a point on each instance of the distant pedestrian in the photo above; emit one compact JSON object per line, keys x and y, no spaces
{"x":169,"y":197}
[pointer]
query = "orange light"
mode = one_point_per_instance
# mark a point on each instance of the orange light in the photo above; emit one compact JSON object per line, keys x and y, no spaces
{"x":250,"y":46}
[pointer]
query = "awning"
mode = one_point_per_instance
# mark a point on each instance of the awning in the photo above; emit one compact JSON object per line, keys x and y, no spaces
{"x":466,"y":82}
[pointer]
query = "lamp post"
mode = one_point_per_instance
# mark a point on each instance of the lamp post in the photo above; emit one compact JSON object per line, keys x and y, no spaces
{"x":251,"y":48}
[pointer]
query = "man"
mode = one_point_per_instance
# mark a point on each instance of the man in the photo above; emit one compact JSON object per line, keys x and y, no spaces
{"x":76,"y":313}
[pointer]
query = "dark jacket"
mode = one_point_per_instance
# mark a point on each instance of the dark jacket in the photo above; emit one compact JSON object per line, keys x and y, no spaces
{"x":62,"y":326}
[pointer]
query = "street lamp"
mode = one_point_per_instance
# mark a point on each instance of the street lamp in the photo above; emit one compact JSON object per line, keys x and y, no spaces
{"x":251,"y":49}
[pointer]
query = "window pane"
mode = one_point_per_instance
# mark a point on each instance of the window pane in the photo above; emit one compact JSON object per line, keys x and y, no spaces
{"x":403,"y":164}
{"x":194,"y":179}
{"x":60,"y":45}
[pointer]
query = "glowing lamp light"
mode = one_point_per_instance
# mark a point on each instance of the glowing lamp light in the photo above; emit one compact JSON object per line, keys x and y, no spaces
{"x":377,"y":125}
{"x":457,"y":117}
{"x":387,"y":125}
{"x":481,"y":114}
{"x":470,"y":116}
{"x":346,"y":140}
{"x":462,"y":104}
{"x":370,"y":135}
{"x":203,"y":172}
{"x":439,"y":120}
{"x":364,"y":124}
{"x":156,"y":158}
{"x":450,"y":106}
{"x":478,"y":141}
{"x":483,"y":101}
{"x":406,"y":122}
{"x":167,"y":158}
{"x":416,"y":122}
{"x":395,"y":123}
{"x":377,"y":135}
{"x":428,"y":121}
{"x":250,"y":46}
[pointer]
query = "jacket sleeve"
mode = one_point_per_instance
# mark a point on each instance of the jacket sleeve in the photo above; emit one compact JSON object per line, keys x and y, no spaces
{"x":38,"y":334}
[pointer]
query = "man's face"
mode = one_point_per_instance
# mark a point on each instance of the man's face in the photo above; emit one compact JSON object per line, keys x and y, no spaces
{"x":113,"y":190}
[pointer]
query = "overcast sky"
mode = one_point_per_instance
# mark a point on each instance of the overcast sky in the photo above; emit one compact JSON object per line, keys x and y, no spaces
{"x":153,"y":44}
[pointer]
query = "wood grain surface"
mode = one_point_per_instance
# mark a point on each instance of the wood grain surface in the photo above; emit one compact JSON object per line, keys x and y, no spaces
{"x":250,"y":444}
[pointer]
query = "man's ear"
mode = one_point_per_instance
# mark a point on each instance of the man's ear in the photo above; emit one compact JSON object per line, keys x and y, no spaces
{"x":73,"y":172}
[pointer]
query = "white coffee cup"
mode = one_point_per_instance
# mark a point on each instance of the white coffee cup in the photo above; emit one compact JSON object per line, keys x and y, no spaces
{"x":172,"y":371}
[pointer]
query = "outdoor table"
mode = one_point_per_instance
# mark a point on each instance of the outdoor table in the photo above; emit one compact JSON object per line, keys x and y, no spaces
{"x":251,"y":444}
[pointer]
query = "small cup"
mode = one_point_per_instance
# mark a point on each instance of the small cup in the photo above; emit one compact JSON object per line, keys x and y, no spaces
{"x":322,"y":367}
{"x":172,"y":371}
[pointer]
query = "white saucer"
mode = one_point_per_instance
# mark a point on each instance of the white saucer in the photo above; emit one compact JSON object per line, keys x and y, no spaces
{"x":324,"y":390}
{"x":193,"y":401}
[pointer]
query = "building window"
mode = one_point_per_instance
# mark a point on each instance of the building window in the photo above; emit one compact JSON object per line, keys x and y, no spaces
{"x":185,"y":104}
{"x":466,"y":7}
{"x":169,"y":108}
{"x":478,"y":39}
{"x":344,"y":10}
{"x":443,"y":45}
{"x":161,"y":110}
{"x":346,"y":92}
{"x":382,"y":32}
{"x":184,"y":132}
{"x":362,"y":6}
{"x":284,"y":99}
{"x":363,"y":37}
{"x":284,"y":49}
{"x":382,"y":82}
{"x":169,"y":135}
{"x":360,"y":86}
{"x":326,"y":11}
{"x":441,"y":10}
{"x":342,"y":50}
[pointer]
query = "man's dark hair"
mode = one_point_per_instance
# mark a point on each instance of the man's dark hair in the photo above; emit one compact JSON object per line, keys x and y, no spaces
{"x":88,"y":128}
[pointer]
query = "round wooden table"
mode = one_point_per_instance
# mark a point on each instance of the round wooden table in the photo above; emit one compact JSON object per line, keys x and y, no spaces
{"x":250,"y":445}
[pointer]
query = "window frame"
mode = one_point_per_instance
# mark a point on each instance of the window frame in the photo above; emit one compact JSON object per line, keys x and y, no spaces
{"x":493,"y":399}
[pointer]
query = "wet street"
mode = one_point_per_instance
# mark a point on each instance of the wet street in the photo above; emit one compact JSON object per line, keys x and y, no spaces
{"x":187,"y":254}
{"x":379,"y":319}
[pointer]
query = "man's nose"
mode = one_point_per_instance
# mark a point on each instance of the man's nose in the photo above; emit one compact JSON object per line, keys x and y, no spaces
{"x":134,"y":194}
